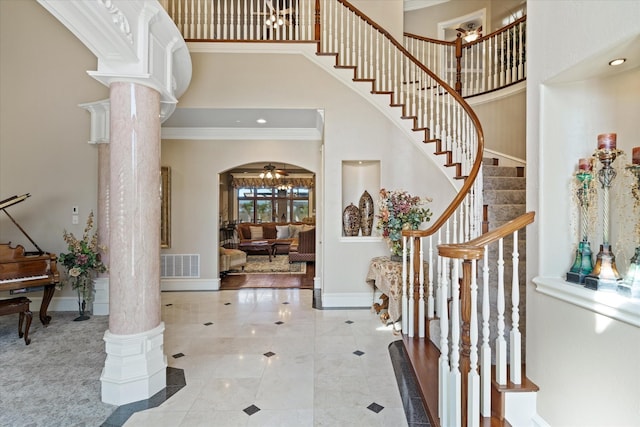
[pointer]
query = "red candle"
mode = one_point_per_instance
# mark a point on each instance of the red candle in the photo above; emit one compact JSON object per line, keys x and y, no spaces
{"x":635,"y":159}
{"x":607,"y":141}
{"x":585,"y":165}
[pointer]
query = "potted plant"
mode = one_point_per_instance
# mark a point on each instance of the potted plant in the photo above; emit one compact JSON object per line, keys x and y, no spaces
{"x":398,"y":210}
{"x":83,"y":263}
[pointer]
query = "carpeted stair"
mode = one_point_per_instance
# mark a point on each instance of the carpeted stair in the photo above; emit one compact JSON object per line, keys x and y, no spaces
{"x":504,"y":199}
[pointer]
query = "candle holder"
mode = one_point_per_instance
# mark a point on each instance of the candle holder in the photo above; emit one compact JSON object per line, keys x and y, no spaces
{"x":605,"y":274}
{"x":583,"y":262}
{"x":630,"y":286}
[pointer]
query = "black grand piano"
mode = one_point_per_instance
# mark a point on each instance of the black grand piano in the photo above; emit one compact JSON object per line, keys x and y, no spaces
{"x":22,"y":271}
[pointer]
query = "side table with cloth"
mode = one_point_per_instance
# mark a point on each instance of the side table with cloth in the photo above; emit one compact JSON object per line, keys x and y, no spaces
{"x":386,"y":275}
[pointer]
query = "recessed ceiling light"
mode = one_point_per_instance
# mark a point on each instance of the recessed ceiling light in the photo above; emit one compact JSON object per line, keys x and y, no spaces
{"x":261,"y":121}
{"x":617,"y":61}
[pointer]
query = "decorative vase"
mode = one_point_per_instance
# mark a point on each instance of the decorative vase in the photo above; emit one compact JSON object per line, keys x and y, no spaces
{"x":82,"y":306}
{"x":84,"y":287}
{"x":366,"y":213}
{"x":351,"y":220}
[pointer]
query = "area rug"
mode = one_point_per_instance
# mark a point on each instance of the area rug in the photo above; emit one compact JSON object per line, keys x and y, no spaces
{"x":259,"y":264}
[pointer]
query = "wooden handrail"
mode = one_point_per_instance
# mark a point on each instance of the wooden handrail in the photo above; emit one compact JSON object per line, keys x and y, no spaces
{"x":471,"y":177}
{"x":474,"y":249}
{"x":429,"y":39}
{"x":496,"y":32}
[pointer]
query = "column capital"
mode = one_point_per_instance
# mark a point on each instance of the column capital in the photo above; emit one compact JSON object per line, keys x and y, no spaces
{"x":134,"y":41}
{"x":99,"y":111}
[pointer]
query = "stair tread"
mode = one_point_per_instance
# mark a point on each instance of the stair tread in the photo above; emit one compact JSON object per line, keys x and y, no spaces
{"x":526,"y":386}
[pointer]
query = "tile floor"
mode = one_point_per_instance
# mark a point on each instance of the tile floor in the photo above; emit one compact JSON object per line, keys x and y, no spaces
{"x":265,"y":357}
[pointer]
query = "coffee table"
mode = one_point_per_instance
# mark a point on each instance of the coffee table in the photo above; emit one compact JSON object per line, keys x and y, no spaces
{"x":258,"y":246}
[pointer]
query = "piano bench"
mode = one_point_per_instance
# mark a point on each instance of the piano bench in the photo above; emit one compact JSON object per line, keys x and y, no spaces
{"x":18,"y":305}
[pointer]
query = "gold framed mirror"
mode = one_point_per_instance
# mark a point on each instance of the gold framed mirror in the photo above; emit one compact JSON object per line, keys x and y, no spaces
{"x":165,"y":207}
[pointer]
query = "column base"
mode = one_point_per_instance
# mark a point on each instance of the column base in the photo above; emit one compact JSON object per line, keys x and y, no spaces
{"x":597,"y":284}
{"x":135,"y":368}
{"x":101,"y":297}
{"x":576,"y":277}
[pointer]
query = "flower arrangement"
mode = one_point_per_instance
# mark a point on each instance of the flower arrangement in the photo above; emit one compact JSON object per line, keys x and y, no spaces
{"x":399,"y":210}
{"x":83,"y":261}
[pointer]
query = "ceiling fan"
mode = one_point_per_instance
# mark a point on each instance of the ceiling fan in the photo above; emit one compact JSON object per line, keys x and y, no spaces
{"x":275,"y":17}
{"x":471,"y":33}
{"x":269,"y":171}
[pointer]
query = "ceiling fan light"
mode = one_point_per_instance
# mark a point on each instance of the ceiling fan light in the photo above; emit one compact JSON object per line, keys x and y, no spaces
{"x":471,"y":37}
{"x":267,"y":22}
{"x":617,"y":61}
{"x":280,"y":21}
{"x":273,"y":18}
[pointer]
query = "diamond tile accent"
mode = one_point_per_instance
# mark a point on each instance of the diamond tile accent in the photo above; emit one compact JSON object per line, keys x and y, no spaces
{"x":358,"y":353}
{"x":168,"y":305}
{"x":286,"y":302}
{"x":178,"y":355}
{"x":279,"y":322}
{"x":349,"y":322}
{"x":251,"y":410}
{"x":208,"y":324}
{"x":375,"y":407}
{"x":227,"y":303}
{"x":269,"y":354}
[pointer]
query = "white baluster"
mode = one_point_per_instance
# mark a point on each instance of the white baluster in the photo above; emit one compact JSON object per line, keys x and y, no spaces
{"x":501,"y":345}
{"x":411,"y":301}
{"x":455,"y":389}
{"x":443,"y":361}
{"x":404,"y":297}
{"x":473,"y":397}
{"x":485,"y":355}
{"x":218,"y":20}
{"x":514,"y":337}
{"x":439,"y":294}
{"x":430,"y":299}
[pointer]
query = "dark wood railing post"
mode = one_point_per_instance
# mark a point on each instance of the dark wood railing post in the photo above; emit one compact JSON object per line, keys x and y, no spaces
{"x":458,"y":87}
{"x":465,"y":334}
{"x":317,"y":24}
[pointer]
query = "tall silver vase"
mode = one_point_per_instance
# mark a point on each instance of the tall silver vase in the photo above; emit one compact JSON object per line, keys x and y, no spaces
{"x":366,"y":213}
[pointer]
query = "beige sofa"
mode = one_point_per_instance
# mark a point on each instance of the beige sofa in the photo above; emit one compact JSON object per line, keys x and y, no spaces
{"x":282,"y":234}
{"x":231,"y":259}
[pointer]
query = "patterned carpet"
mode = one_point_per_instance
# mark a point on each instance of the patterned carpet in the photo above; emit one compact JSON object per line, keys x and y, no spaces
{"x":55,"y":380}
{"x":279,"y":264}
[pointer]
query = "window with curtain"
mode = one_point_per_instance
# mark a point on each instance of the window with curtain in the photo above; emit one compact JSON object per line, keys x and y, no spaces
{"x":259,"y":204}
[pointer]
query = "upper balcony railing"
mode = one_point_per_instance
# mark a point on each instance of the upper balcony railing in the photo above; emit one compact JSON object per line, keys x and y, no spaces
{"x":487,"y":64}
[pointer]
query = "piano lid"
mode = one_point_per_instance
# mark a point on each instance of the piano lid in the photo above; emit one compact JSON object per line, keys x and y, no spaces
{"x":10,"y":202}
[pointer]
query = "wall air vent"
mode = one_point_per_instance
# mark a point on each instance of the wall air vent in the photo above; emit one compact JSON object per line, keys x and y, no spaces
{"x":180,"y":265}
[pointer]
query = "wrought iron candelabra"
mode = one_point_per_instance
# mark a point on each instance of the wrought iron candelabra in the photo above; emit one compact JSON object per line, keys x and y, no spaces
{"x":630,"y":286}
{"x":583,"y":263}
{"x":605,"y":274}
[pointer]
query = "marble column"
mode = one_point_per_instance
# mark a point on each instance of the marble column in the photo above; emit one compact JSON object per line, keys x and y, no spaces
{"x":101,"y":285}
{"x":135,"y":367}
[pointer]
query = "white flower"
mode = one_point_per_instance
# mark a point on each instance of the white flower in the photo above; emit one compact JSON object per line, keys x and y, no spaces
{"x":75,"y":272}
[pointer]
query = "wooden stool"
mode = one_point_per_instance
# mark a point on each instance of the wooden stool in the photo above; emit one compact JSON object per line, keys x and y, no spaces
{"x":18,"y":305}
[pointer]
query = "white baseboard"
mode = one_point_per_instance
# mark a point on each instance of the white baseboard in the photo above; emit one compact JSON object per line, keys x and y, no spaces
{"x":190,"y":284}
{"x":339,"y":300}
{"x":317,"y":283}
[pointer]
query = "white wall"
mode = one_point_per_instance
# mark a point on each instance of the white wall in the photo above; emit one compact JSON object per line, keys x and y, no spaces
{"x":354,"y":130}
{"x":585,"y":363}
{"x":43,"y":132}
